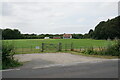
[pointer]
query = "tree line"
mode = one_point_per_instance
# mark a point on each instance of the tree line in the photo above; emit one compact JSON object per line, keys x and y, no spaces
{"x":109,"y":29}
{"x":16,"y":34}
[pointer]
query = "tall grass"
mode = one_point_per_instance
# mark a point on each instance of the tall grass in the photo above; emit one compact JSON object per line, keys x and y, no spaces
{"x":8,"y":60}
{"x":112,"y":50}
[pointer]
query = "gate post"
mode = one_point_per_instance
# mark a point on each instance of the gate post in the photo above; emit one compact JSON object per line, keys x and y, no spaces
{"x":59,"y":46}
{"x":42,"y":47}
{"x":72,"y":47}
{"x":65,"y":47}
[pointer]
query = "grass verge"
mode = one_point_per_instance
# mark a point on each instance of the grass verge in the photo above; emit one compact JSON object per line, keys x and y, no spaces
{"x":98,"y":56}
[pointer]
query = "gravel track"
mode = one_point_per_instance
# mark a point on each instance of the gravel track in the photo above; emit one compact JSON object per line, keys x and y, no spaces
{"x":38,"y":60}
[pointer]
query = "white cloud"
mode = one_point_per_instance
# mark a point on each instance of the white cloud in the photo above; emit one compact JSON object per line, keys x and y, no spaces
{"x":59,"y":0}
{"x":56,"y":17}
{"x":81,"y":20}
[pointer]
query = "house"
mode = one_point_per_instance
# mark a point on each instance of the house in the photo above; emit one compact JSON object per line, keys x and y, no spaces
{"x":56,"y":37}
{"x":67,"y":36}
{"x":46,"y":38}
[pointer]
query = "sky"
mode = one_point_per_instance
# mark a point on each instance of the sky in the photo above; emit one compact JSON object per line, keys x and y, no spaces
{"x":55,"y":16}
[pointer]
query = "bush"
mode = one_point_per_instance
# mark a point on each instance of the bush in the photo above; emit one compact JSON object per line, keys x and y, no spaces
{"x":89,"y":50}
{"x":7,"y":56}
{"x":113,"y":50}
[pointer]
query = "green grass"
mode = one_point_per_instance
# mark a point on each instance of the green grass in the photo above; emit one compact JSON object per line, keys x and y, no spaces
{"x":77,"y":42}
{"x":28,"y":45}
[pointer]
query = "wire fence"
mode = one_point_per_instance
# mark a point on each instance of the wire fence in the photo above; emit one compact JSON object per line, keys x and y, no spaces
{"x":54,"y":47}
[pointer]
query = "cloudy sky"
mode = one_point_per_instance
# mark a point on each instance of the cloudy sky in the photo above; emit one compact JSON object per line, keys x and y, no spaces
{"x":55,"y":16}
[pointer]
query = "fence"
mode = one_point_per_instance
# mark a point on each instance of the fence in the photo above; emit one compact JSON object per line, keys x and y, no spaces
{"x":52,"y":47}
{"x":45,"y":47}
{"x":57,"y":47}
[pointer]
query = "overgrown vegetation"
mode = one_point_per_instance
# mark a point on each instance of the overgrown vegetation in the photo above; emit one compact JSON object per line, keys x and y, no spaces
{"x":113,"y":50}
{"x":8,"y":60}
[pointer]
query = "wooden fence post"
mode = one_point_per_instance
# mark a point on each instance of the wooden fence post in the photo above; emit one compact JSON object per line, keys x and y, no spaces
{"x":42,"y":47}
{"x":22,"y":49}
{"x":80,"y":49}
{"x":72,"y":47}
{"x":65,"y":47}
{"x":59,"y":46}
{"x":31,"y":48}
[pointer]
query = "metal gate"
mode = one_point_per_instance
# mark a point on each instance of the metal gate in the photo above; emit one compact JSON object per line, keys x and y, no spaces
{"x":51,"y":47}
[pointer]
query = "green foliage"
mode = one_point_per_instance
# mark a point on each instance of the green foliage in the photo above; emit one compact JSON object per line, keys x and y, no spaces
{"x":109,"y":29}
{"x":89,"y":51}
{"x":113,"y":50}
{"x":77,"y":36}
{"x":16,"y":34}
{"x":11,"y":34}
{"x":7,"y":56}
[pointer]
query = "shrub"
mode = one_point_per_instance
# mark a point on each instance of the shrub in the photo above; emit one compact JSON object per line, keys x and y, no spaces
{"x":89,"y":50}
{"x":7,"y":56}
{"x":113,"y":50}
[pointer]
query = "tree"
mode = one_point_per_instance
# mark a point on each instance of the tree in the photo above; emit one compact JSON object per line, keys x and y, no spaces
{"x":77,"y":36}
{"x":11,"y":34}
{"x":107,"y":29}
{"x":90,"y":33}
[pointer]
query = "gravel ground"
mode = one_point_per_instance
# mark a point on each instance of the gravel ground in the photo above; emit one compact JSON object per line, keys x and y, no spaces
{"x":53,"y":65}
{"x":60,"y":58}
{"x":37,"y":59}
{"x":40,"y":60}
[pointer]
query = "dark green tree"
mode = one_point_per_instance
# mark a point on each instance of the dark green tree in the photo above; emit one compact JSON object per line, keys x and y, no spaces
{"x":109,"y":29}
{"x":11,"y":34}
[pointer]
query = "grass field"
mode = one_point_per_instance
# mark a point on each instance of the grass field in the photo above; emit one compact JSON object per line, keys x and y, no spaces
{"x":29,"y":44}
